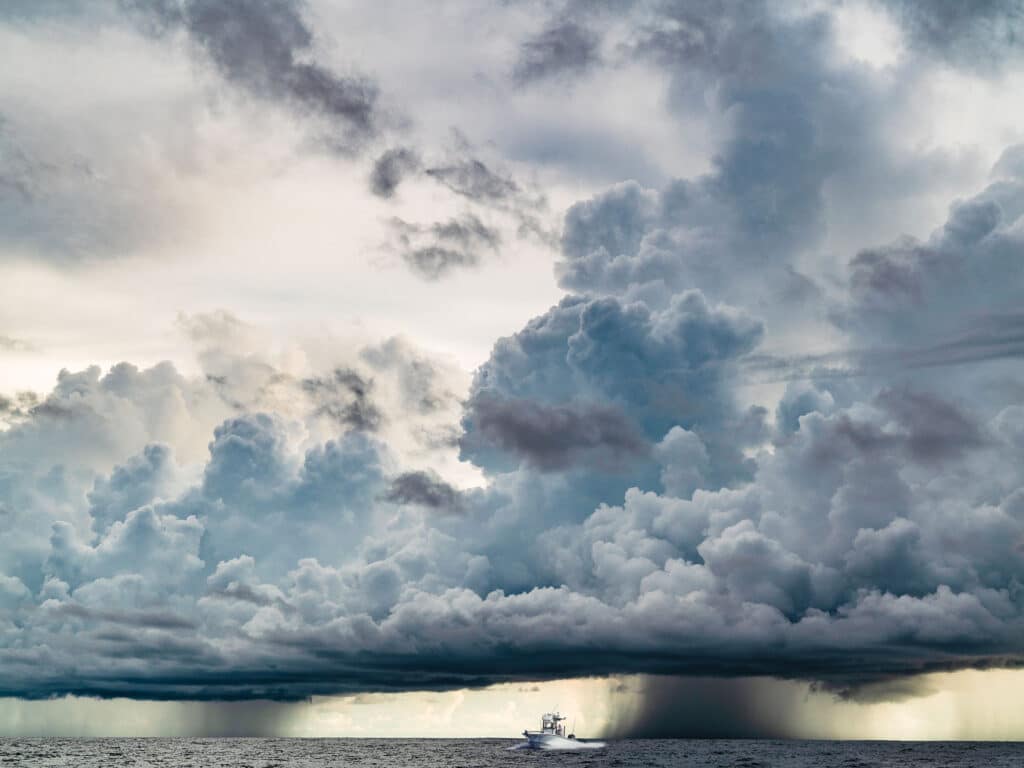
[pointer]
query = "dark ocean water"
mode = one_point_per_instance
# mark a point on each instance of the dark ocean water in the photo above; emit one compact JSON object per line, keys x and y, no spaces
{"x":317,"y":753}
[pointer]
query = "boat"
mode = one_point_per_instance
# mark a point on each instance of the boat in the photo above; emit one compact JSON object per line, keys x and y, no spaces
{"x":552,"y":735}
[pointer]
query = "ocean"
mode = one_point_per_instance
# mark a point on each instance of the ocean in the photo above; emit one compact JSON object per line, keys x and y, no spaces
{"x":467,"y":753}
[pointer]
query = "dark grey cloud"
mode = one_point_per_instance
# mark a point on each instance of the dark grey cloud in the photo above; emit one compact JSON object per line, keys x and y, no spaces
{"x":472,"y":178}
{"x":483,"y":186}
{"x":345,"y":397}
{"x":934,"y":429}
{"x":265,"y":48}
{"x":553,"y":437}
{"x":425,"y":488}
{"x":391,"y":168}
{"x":976,"y":34}
{"x":434,"y":261}
{"x":563,"y":47}
{"x":143,"y":619}
{"x":466,"y":231}
{"x":435,"y":250}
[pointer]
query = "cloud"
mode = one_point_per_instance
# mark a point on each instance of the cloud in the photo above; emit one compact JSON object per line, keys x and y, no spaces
{"x":264,"y":47}
{"x":471,"y":178}
{"x":433,"y":261}
{"x":10,"y":344}
{"x":67,"y":201}
{"x":495,"y":207}
{"x":982,"y":339}
{"x":131,"y":485}
{"x":390,"y":168}
{"x":971,"y":35}
{"x":345,"y":398}
{"x":562,"y":47}
{"x":77,"y":186}
{"x":801,"y":146}
{"x":957,"y":283}
{"x":611,"y":375}
{"x":434,"y":251}
{"x":290,"y":550}
{"x":935,"y":429}
{"x":485,"y":189}
{"x":424,"y":488}
{"x":553,"y":437}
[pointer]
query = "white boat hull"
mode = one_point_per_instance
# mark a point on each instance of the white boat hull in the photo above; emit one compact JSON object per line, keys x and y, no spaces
{"x":551,"y":741}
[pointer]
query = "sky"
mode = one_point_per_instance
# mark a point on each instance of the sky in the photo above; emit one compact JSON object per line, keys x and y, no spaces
{"x":401,"y":370}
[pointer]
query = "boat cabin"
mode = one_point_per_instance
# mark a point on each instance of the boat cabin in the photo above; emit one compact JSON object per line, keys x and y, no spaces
{"x":552,"y":723}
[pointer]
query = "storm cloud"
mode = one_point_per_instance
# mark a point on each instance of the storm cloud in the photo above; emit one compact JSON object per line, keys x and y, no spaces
{"x":752,"y":440}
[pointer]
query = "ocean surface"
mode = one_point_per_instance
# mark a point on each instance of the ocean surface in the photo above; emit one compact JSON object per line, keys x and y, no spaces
{"x":464,"y":753}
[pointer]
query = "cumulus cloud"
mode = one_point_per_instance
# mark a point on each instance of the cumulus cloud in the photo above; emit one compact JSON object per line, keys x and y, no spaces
{"x":802,"y":146}
{"x":606,"y":379}
{"x":954,"y":290}
{"x":855,"y":536}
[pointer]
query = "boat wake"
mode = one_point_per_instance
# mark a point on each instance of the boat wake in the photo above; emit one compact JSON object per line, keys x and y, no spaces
{"x":575,"y":744}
